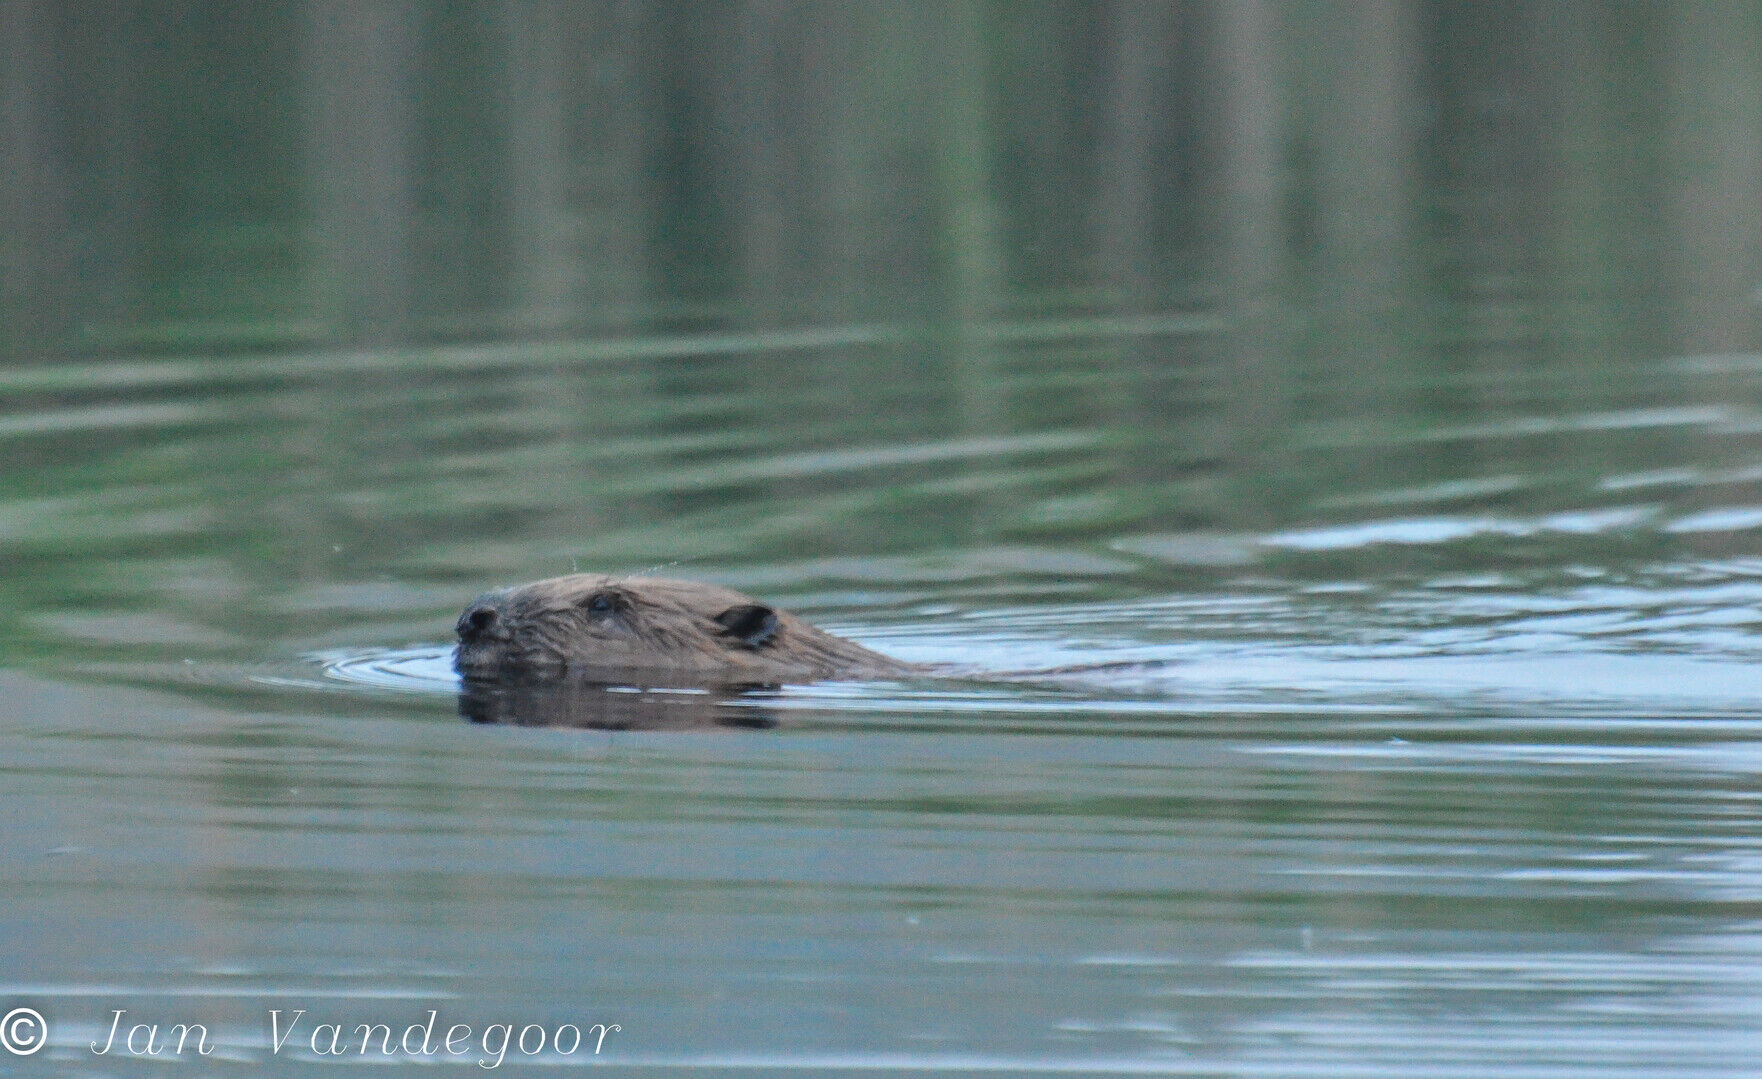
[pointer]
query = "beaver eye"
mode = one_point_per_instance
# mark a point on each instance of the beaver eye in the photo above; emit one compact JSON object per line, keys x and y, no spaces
{"x":600,"y":603}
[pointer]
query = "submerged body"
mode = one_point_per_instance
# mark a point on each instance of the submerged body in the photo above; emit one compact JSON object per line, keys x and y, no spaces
{"x":651,"y":630}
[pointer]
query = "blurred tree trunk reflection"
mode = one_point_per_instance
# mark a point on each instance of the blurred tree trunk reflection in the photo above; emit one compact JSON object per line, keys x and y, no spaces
{"x":1137,"y":121}
{"x":1584,"y":151}
{"x":545,"y":261}
{"x":1253,"y":271}
{"x":572,"y":170}
{"x":33,"y":240}
{"x":361,"y":60}
{"x":972,"y":259}
{"x":1714,"y":150}
{"x":1362,"y":150}
{"x":72,"y":181}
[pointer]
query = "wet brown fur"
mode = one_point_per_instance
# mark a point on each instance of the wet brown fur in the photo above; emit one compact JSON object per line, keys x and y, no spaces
{"x":651,"y":630}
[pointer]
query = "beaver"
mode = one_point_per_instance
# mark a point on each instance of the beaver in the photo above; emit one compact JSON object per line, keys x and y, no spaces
{"x":651,"y":631}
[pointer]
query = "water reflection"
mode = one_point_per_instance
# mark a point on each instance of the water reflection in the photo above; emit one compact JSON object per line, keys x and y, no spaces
{"x":1324,"y":438}
{"x":1249,"y":892}
{"x":587,"y":705}
{"x":324,"y":174}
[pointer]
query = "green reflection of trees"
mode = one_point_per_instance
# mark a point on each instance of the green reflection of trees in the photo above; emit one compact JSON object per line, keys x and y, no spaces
{"x":296,"y":171}
{"x":1232,"y":253}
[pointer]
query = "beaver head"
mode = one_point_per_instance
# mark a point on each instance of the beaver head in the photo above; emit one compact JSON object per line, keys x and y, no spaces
{"x":650,"y":630}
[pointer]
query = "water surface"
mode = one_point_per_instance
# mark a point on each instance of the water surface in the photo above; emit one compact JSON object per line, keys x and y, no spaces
{"x":1325,"y":444}
{"x":1443,"y":779}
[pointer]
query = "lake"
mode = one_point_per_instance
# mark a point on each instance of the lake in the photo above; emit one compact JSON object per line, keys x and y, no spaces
{"x":1326,"y":443}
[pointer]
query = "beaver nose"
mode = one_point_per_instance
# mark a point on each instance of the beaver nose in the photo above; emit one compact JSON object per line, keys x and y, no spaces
{"x":479,"y":619}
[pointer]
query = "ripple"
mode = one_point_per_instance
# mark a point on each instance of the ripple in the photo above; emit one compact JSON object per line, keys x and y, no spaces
{"x":424,"y":669}
{"x":1719,"y":519}
{"x":1448,"y":529}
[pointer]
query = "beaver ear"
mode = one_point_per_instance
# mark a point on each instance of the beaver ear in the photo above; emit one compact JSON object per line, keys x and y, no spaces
{"x":752,"y":623}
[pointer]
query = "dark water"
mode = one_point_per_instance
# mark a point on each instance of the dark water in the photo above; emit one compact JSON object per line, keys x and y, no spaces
{"x":1380,"y":500}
